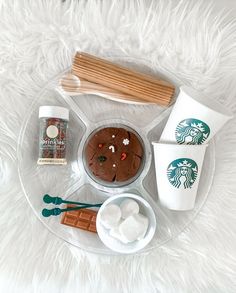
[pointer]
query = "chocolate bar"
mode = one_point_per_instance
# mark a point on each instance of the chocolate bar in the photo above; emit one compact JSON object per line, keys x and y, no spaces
{"x":84,"y":219}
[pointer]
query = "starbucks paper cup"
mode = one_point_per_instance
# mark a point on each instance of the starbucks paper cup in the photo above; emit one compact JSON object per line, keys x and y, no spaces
{"x":195,"y":119}
{"x":178,"y":170}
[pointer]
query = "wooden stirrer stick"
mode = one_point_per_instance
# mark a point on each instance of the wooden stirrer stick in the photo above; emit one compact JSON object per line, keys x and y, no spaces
{"x":130,"y":82}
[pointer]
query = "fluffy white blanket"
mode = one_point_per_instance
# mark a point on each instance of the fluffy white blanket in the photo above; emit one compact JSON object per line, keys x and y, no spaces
{"x":182,"y":38}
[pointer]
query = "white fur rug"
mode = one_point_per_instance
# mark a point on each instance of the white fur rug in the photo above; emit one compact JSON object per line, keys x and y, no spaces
{"x":37,"y":41}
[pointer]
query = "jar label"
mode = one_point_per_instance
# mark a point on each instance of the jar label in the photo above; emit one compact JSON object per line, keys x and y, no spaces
{"x":52,"y":138}
{"x":52,"y":131}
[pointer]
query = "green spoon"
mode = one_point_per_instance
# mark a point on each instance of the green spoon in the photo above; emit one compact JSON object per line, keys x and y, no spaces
{"x":58,"y":200}
{"x":57,"y":211}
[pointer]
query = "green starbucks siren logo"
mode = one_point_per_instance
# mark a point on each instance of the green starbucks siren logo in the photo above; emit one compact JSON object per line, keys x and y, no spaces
{"x":192,"y":131}
{"x":182,"y":173}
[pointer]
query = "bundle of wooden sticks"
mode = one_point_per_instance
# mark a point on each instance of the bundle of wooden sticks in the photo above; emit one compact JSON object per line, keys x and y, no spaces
{"x":129,"y":83}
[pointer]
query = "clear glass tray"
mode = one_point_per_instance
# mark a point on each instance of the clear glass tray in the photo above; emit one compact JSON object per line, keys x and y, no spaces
{"x":87,"y":113}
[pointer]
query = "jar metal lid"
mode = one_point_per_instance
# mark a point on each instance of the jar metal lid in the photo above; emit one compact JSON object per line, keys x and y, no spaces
{"x":53,"y":112}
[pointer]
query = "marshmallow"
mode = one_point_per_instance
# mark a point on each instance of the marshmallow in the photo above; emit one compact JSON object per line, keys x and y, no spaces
{"x":110,"y":216}
{"x":134,"y":227}
{"x":128,"y":208}
{"x":115,"y":232}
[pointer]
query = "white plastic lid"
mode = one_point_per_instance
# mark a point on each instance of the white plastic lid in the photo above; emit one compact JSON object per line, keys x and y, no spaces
{"x":54,"y":112}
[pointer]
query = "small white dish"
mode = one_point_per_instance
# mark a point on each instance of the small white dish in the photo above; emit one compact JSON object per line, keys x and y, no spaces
{"x":115,"y":244}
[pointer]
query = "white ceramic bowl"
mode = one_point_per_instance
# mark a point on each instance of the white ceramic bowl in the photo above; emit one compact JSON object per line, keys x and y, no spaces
{"x":132,"y":247}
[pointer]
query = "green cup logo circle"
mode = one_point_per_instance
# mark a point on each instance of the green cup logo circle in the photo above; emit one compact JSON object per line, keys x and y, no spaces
{"x":182,"y":173}
{"x":192,"y":131}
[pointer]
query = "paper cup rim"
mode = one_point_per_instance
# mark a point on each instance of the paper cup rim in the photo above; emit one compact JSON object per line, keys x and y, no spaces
{"x":214,"y":106}
{"x":169,"y":144}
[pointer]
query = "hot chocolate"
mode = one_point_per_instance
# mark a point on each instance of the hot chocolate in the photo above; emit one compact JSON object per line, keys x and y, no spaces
{"x":114,"y":154}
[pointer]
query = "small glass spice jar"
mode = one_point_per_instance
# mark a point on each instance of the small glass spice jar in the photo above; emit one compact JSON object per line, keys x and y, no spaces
{"x":52,"y":135}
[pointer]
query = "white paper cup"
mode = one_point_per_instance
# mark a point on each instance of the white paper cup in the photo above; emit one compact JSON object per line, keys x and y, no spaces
{"x":178,"y":170}
{"x":195,"y":119}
